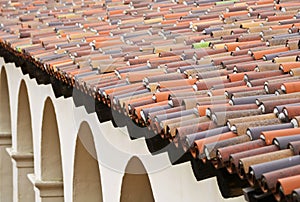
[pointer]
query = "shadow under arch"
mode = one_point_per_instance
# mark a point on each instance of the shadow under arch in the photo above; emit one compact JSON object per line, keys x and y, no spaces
{"x":5,"y":120}
{"x":6,"y":179}
{"x":136,"y":185}
{"x":24,"y":127}
{"x":51,"y":164}
{"x":86,"y":177}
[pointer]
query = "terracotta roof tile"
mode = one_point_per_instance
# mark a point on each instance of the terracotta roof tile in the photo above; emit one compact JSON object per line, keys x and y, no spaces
{"x":286,"y":185}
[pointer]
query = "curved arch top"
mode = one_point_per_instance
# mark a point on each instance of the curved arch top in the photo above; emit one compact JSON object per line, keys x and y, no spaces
{"x":24,"y":127}
{"x":86,"y":138}
{"x":51,"y":163}
{"x":136,"y":185}
{"x":5,"y":120}
{"x":86,"y":177}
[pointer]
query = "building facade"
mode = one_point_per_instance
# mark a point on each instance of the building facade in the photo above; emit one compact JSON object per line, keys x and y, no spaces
{"x":52,"y":150}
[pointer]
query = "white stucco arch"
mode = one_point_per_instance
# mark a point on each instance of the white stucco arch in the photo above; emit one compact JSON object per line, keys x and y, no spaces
{"x":86,"y":177}
{"x":5,"y":119}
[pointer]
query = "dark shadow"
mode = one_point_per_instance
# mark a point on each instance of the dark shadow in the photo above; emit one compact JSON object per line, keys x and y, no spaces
{"x":86,"y":176}
{"x":136,"y":185}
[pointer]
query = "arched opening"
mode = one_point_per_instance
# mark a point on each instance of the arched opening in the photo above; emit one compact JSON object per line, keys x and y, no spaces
{"x":6,"y":179}
{"x":5,"y":120}
{"x":86,"y":176}
{"x":23,"y":148}
{"x":24,"y":128}
{"x":136,"y":185}
{"x":51,"y":164}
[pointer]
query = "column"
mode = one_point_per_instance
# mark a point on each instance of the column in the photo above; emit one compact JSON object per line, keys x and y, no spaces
{"x":49,"y":191}
{"x":22,"y":166}
{"x":6,"y":179}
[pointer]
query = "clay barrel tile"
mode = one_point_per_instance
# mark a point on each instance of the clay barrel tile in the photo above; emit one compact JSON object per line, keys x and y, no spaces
{"x":130,"y":104}
{"x":145,"y":111}
{"x":285,"y":59}
{"x":259,"y":54}
{"x":202,"y":109}
{"x":206,"y":84}
{"x":192,"y":102}
{"x":223,"y":108}
{"x":295,"y":72}
{"x":220,"y":118}
{"x":222,"y":91}
{"x":291,"y":87}
{"x":249,"y":99}
{"x":231,"y":122}
{"x":182,"y":132}
{"x":161,"y":117}
{"x":283,"y":142}
{"x":189,"y":126}
{"x":228,"y":85}
{"x":244,"y":67}
{"x":268,"y":136}
{"x":121,"y":88}
{"x":236,"y":76}
{"x":224,"y":153}
{"x":198,"y":150}
{"x":249,"y":92}
{"x":152,"y":122}
{"x":262,"y":99}
{"x":176,"y":121}
{"x":256,"y":171}
{"x":269,"y":179}
{"x":137,"y":110}
{"x":262,"y":67}
{"x":295,"y":147}
{"x":291,"y":111}
{"x":234,"y":158}
{"x":113,"y":96}
{"x":285,"y":186}
{"x":174,"y":83}
{"x":210,"y":149}
{"x":268,"y":106}
{"x":245,"y":163}
{"x":189,"y":139}
{"x":118,"y":99}
{"x":258,"y":75}
{"x":241,"y":128}
{"x":229,"y":92}
{"x":124,"y":101}
{"x":271,"y":85}
{"x":278,"y":110}
{"x":287,"y":66}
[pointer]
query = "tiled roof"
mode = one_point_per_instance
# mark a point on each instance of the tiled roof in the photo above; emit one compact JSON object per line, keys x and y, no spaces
{"x":219,"y":80}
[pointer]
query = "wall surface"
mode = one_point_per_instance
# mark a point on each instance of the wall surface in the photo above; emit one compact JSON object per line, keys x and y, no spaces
{"x":71,"y":149}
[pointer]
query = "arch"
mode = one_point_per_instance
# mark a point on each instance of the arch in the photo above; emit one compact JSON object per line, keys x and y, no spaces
{"x":136,"y":185}
{"x":86,"y":176}
{"x":6,"y":174}
{"x":24,"y":127}
{"x":23,"y":147}
{"x":51,"y":164}
{"x":5,"y":121}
